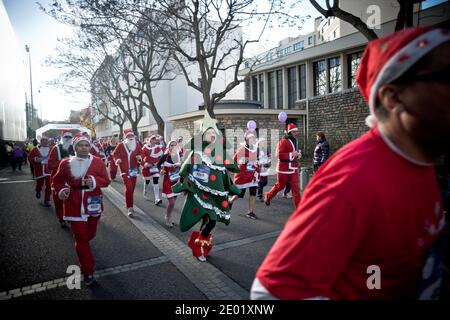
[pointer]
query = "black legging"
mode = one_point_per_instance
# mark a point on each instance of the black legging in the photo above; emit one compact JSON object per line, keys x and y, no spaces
{"x":155,"y":180}
{"x":207,"y":225}
{"x":252,"y":191}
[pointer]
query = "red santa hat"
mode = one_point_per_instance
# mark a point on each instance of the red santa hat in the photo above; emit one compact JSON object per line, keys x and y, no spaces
{"x":387,"y":58}
{"x":128,"y":132}
{"x":80,"y":137}
{"x":152,"y":136}
{"x":66,"y":133}
{"x":292,"y":127}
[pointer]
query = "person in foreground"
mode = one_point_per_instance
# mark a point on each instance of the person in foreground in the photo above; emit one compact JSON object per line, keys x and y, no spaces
{"x":78,"y":184}
{"x":372,"y":214}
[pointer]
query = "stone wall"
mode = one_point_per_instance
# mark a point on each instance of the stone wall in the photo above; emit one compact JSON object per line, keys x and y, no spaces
{"x":341,"y":116}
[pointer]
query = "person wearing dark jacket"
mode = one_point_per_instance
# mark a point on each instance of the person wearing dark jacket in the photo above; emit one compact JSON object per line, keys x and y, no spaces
{"x":321,"y":152}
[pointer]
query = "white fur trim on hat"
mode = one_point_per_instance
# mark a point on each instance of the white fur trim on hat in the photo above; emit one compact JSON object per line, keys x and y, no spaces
{"x":394,"y":67}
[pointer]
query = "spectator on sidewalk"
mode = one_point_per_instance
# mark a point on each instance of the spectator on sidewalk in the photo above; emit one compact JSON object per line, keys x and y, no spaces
{"x":372,"y":215}
{"x":17,"y":157}
{"x":321,"y":152}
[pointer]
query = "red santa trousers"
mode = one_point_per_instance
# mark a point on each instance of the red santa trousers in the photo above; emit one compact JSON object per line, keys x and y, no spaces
{"x":83,"y":232}
{"x":58,"y":206}
{"x":130,"y":184}
{"x":48,"y":188}
{"x":282,"y":180}
{"x":112,"y":169}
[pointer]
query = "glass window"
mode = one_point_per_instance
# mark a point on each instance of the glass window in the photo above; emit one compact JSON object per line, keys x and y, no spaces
{"x":334,"y":80}
{"x":292,"y":87}
{"x":320,"y":78}
{"x":272,"y":85}
{"x":279,"y":89}
{"x":310,"y":40}
{"x":254,"y":88}
{"x":247,"y":89}
{"x":299,"y":45}
{"x":261,"y":88}
{"x":353,"y":63}
{"x":302,"y":81}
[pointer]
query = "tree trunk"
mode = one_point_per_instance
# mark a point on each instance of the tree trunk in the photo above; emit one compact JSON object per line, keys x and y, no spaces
{"x":134,"y":127}
{"x":151,"y":106}
{"x":120,"y":131}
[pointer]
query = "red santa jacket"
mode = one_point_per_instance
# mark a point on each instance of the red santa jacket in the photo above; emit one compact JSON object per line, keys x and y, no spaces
{"x":56,"y":155}
{"x":39,"y":158}
{"x":129,"y":160}
{"x":248,"y":176}
{"x":82,"y":202}
{"x":152,"y":154}
{"x":287,"y":163}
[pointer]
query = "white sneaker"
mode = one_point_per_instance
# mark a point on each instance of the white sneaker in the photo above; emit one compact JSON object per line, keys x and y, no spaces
{"x":168,"y":222}
{"x":158,"y":202}
{"x":201,"y":258}
{"x":145,"y":195}
{"x":130,"y":212}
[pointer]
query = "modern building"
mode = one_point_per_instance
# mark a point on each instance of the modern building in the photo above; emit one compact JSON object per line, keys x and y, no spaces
{"x":13,"y":125}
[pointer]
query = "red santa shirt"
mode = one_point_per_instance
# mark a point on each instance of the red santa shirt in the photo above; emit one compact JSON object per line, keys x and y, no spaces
{"x":129,"y":159}
{"x":287,"y":163}
{"x":39,"y":158}
{"x":57,"y":153}
{"x":367,"y":206}
{"x":171,"y":176}
{"x":151,"y":155}
{"x":83,"y":201}
{"x":246,"y":157}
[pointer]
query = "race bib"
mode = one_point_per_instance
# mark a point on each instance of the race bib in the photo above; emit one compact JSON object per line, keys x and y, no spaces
{"x":174,"y":175}
{"x":250,"y":166}
{"x":94,"y":205}
{"x":154,"y":169}
{"x":431,"y":280}
{"x":44,"y":160}
{"x":133,"y":172}
{"x":201,"y":173}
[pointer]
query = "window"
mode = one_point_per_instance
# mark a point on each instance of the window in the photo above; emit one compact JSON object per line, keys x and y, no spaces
{"x":254,"y":88}
{"x":261,"y":88}
{"x":353,"y":63}
{"x":272,"y":85}
{"x":310,"y":40}
{"x":292,"y":87}
{"x":302,"y":81}
{"x":320,"y":78}
{"x":284,"y":51}
{"x":279,"y":89}
{"x":334,"y":80}
{"x":247,"y":89}
{"x":299,"y":45}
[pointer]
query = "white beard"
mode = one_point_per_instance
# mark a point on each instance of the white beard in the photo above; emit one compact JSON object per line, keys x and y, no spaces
{"x":78,"y":167}
{"x":44,"y":151}
{"x":131,"y":144}
{"x":66,"y":145}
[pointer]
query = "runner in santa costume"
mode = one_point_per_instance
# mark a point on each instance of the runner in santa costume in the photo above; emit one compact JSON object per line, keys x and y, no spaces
{"x":207,"y":182}
{"x":109,"y":158}
{"x":57,"y":154}
{"x":169,"y":164}
{"x":127,"y":156}
{"x":246,"y":157}
{"x":151,"y":152}
{"x":371,"y":219}
{"x":288,"y":153}
{"x":39,"y":158}
{"x":78,"y":184}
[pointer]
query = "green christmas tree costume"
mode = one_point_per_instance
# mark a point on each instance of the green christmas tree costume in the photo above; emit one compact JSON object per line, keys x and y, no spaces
{"x":206,"y":179}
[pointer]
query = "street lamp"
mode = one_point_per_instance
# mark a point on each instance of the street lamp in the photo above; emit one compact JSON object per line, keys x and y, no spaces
{"x":27,"y":48}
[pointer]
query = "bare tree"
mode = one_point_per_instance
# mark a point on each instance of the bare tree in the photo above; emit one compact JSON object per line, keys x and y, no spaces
{"x":132,"y":43}
{"x":404,"y":17}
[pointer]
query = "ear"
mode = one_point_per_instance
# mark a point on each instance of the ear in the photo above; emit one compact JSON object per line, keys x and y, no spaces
{"x":389,"y":98}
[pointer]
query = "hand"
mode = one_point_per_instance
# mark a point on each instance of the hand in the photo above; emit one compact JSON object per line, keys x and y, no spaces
{"x":65,"y":195}
{"x":89,"y":182}
{"x":146,"y":165}
{"x":118,"y":161}
{"x":163,"y":172}
{"x":295,"y":154}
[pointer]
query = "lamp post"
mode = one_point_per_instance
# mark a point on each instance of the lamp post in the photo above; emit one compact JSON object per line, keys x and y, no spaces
{"x":27,"y":48}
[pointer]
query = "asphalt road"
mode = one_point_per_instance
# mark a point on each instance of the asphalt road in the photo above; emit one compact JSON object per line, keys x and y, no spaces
{"x":35,"y":250}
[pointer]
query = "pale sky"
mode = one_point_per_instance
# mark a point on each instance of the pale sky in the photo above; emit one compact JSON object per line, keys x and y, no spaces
{"x":40,"y":33}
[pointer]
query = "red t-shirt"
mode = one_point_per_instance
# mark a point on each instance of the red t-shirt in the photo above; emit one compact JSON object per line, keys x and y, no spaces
{"x":366,"y":206}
